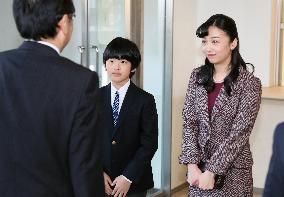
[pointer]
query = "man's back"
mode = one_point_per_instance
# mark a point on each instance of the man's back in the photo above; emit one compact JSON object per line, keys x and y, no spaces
{"x":48,"y":146}
{"x":275,"y":175}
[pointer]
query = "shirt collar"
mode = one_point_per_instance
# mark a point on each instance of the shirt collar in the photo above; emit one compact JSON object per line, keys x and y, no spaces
{"x":50,"y":45}
{"x":121,"y":90}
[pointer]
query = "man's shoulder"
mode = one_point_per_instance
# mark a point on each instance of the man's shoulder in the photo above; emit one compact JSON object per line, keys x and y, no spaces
{"x":7,"y":53}
{"x":104,"y":88}
{"x":71,"y":65}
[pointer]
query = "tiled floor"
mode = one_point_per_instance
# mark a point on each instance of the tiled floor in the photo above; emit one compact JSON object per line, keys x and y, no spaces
{"x":183,"y":193}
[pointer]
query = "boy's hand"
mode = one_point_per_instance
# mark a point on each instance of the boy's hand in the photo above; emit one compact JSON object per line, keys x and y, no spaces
{"x":206,"y":180}
{"x":121,"y":186}
{"x":193,"y":173}
{"x":108,"y":184}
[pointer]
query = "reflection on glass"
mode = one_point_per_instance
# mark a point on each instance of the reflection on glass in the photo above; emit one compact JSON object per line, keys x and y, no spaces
{"x":153,"y":69}
{"x":281,"y":58}
{"x":72,"y":50}
{"x":106,"y":21}
{"x":282,"y":12}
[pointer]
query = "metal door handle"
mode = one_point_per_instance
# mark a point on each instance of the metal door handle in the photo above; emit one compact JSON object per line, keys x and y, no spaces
{"x":81,"y":50}
{"x":97,"y":56}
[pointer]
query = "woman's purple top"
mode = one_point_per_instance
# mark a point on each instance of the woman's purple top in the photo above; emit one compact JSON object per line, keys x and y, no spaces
{"x":213,"y":95}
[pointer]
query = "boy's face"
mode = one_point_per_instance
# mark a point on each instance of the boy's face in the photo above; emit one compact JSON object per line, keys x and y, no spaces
{"x":118,"y":71}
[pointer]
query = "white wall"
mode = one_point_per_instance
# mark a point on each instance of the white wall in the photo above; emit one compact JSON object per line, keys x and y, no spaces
{"x":184,"y":61}
{"x":270,"y":114}
{"x":253,"y":19}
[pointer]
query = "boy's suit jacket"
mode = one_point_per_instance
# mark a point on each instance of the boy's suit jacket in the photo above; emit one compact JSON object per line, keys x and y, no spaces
{"x":48,"y":145}
{"x":275,"y":176}
{"x":131,"y":145}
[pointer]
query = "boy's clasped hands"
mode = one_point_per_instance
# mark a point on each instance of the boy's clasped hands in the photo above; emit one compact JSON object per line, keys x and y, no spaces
{"x":120,"y":184}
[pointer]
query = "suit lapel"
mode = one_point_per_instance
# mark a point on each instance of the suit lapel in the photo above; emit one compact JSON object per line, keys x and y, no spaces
{"x":108,"y":109}
{"x":38,"y":48}
{"x":223,"y":99}
{"x":126,"y":105}
{"x":220,"y":101}
{"x":203,"y":115}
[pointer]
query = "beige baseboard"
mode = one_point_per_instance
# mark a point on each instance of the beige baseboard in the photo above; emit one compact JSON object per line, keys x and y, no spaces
{"x":257,"y":190}
{"x":180,"y":187}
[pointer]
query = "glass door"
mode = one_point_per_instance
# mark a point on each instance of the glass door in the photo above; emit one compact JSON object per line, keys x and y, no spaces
{"x":157,"y":80}
{"x":76,"y":49}
{"x":97,"y":22}
{"x":106,"y":21}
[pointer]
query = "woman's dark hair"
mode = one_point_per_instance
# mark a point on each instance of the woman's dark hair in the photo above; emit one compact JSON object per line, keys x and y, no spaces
{"x":36,"y":19}
{"x":122,"y":48}
{"x":205,"y":75}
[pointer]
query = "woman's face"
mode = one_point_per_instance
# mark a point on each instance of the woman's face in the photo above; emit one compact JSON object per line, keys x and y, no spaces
{"x":217,"y":46}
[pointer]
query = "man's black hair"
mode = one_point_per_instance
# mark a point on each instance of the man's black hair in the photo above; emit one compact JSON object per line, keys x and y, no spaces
{"x":36,"y":19}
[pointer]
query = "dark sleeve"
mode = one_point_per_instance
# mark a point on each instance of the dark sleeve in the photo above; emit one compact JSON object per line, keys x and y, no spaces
{"x":85,"y":146}
{"x":149,"y":142}
{"x":275,"y":177}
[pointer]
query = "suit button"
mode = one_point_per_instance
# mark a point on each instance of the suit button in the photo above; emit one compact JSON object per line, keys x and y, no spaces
{"x":113,"y":142}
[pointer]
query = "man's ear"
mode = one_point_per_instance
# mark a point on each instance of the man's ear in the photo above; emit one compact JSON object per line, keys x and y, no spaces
{"x":133,"y":70}
{"x":234,"y":44}
{"x":63,"y":24}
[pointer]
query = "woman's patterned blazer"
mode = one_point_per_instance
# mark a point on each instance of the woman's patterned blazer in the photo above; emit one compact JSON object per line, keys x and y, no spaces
{"x":222,"y":140}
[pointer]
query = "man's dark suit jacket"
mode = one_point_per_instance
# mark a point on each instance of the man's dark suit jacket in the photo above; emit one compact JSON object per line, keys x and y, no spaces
{"x":48,"y":145}
{"x":274,"y":185}
{"x":131,"y":145}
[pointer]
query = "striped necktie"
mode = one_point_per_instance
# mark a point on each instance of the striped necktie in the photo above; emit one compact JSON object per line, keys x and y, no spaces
{"x":115,"y":107}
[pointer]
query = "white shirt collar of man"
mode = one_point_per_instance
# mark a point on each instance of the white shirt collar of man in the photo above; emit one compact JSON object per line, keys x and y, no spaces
{"x":50,"y":45}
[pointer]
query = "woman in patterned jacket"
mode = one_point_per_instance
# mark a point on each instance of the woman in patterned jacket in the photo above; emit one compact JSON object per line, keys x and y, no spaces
{"x":220,"y":109}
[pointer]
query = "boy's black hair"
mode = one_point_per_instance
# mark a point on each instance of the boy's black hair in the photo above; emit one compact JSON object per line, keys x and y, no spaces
{"x":122,"y":48}
{"x":36,"y":19}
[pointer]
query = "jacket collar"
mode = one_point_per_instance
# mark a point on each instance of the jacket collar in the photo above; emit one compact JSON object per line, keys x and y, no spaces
{"x":220,"y":102}
{"x":126,"y":105}
{"x":203,"y":113}
{"x":38,"y":48}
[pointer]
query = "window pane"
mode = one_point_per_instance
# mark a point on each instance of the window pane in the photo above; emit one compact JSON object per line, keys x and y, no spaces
{"x":153,"y":67}
{"x":281,"y":58}
{"x":282,"y":12}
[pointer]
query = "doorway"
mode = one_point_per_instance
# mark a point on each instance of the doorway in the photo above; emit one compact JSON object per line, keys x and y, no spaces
{"x":148,"y":24}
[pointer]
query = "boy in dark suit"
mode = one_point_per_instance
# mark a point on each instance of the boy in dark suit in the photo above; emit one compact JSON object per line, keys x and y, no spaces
{"x":275,"y":177}
{"x":130,"y":123}
{"x":48,"y":144}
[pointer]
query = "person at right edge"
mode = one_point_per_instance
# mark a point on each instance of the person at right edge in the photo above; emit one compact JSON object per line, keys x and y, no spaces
{"x":275,"y":176}
{"x":221,"y":105}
